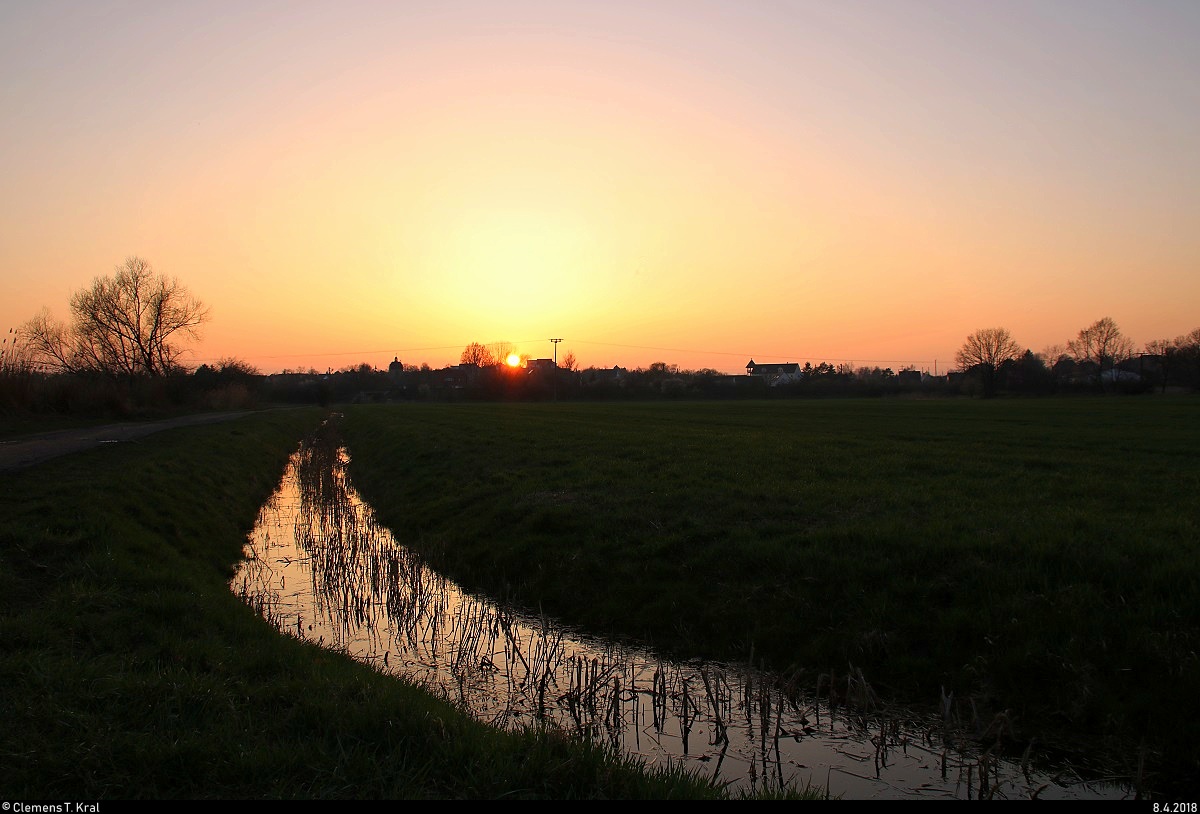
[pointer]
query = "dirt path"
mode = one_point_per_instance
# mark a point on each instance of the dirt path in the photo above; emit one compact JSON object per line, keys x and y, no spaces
{"x":19,"y":453}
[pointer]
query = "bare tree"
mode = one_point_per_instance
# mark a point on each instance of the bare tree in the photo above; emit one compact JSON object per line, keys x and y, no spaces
{"x":129,"y":324}
{"x":489,"y":355}
{"x":1051,"y":354}
{"x":569,"y":362}
{"x":1058,"y":362}
{"x":1187,"y":350}
{"x":501,"y":351}
{"x":1165,"y":351}
{"x":233,"y":366}
{"x":48,"y":341}
{"x":478,"y":355}
{"x":1101,"y":344}
{"x":986,"y":350}
{"x":988,"y":346}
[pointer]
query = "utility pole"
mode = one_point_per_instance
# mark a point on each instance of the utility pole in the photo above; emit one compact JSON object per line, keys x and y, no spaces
{"x":556,"y":341}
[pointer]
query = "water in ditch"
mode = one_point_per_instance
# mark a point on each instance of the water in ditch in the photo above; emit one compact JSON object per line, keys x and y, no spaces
{"x":320,"y":567}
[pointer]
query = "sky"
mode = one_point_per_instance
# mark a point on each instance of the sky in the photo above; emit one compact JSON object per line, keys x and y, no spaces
{"x":691,"y":181}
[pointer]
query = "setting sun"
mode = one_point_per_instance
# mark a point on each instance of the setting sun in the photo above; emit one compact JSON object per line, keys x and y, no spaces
{"x":513,"y":360}
{"x":689,"y":183}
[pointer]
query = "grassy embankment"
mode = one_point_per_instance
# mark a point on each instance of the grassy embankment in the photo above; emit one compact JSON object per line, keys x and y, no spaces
{"x":130,"y":670}
{"x":1039,"y":557}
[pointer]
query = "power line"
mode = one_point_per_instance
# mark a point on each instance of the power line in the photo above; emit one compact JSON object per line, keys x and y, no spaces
{"x":336,"y":353}
{"x":700,"y":351}
{"x":393,"y":350}
{"x":751,"y":355}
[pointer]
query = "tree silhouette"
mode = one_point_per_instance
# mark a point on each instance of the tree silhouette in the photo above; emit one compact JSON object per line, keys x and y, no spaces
{"x":478,"y":355}
{"x":1187,"y":350}
{"x":128,"y":324}
{"x":1101,"y":344}
{"x":1166,"y":352}
{"x":985,"y":351}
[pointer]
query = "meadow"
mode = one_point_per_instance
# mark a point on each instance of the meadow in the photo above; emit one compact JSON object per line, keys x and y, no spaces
{"x":1037,"y":559}
{"x":131,"y":670}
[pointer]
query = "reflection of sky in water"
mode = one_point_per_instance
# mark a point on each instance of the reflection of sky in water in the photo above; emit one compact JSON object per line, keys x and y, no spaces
{"x":320,"y":566}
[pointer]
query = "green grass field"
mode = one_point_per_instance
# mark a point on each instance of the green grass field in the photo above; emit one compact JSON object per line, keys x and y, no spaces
{"x":1032,"y":556}
{"x":1036,"y":556}
{"x":130,"y":670}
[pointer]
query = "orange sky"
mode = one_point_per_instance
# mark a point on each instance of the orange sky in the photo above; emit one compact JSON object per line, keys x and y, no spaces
{"x":692,"y":182}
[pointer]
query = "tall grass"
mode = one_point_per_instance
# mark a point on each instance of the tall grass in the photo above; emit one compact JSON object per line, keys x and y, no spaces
{"x":17,"y":372}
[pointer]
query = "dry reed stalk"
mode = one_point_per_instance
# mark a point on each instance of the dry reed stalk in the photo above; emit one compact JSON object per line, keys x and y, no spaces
{"x":764,"y":716}
{"x":685,"y":724}
{"x":721,"y":735}
{"x":778,"y":732}
{"x":516,"y":648}
{"x":659,"y":696}
{"x":614,"y":705}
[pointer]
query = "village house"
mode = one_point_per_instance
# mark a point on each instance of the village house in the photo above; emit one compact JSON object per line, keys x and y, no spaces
{"x":540,"y":365}
{"x":775,"y":374}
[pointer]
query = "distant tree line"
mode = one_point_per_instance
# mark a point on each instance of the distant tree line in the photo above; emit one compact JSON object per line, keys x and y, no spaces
{"x":990,"y":363}
{"x":1100,"y":358}
{"x":121,"y":353}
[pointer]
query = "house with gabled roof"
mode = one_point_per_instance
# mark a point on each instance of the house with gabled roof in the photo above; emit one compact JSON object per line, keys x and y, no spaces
{"x":774,"y":374}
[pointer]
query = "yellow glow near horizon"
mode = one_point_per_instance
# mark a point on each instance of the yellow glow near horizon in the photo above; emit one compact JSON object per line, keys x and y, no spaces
{"x":513,"y":360}
{"x":671,"y":181}
{"x":512,"y":260}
